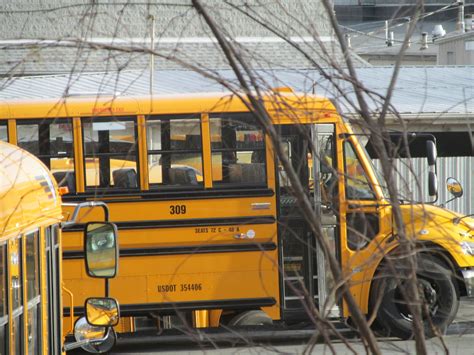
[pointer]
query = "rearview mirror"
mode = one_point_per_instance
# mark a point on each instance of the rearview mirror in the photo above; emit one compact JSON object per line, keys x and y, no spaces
{"x":101,"y":249}
{"x":431,"y":152}
{"x":102,"y":312}
{"x":95,"y":340}
{"x":454,"y":187}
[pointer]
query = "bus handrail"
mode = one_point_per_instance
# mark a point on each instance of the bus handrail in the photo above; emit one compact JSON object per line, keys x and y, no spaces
{"x":71,"y":296}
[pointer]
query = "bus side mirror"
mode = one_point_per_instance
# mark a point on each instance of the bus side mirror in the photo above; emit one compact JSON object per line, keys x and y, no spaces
{"x":454,"y":187}
{"x":432,"y":184}
{"x":102,"y":311}
{"x":432,"y":155}
{"x":92,"y":339}
{"x":431,"y":152}
{"x":101,"y":249}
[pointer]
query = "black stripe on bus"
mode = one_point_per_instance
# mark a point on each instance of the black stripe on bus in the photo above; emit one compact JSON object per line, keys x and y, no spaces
{"x":187,"y":249}
{"x":127,"y":310}
{"x":181,"y":223}
{"x":164,"y":194}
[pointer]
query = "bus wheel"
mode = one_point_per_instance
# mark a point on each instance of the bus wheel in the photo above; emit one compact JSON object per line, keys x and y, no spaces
{"x":255,"y":317}
{"x":436,"y":288}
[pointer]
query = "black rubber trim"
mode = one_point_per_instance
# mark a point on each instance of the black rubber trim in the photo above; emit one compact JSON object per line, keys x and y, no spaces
{"x":181,"y":223}
{"x":179,"y":250}
{"x":264,"y":336}
{"x":112,"y":196}
{"x":169,"y":307}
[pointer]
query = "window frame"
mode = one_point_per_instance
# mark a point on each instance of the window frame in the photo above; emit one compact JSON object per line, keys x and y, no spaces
{"x":111,"y":188}
{"x":4,"y":123}
{"x":17,"y":316}
{"x":46,"y":159}
{"x":153,"y":186}
{"x":4,"y":317}
{"x":33,"y":303}
{"x":39,"y":122}
{"x":347,"y":176}
{"x":249,"y":119}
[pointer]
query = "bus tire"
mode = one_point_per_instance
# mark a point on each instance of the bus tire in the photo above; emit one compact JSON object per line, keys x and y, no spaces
{"x":254,"y":317}
{"x":437,"y":288}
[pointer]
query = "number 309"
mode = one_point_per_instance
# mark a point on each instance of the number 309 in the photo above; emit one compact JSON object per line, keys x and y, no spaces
{"x":178,"y":209}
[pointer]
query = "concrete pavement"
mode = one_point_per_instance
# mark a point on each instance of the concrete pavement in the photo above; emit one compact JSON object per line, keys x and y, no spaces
{"x":459,"y":340}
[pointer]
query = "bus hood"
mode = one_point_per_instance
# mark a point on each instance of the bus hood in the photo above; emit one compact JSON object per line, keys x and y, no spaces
{"x":439,"y":225}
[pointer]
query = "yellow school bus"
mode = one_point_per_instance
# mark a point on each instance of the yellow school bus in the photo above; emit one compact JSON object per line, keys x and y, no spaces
{"x":211,"y":233}
{"x":30,"y":260}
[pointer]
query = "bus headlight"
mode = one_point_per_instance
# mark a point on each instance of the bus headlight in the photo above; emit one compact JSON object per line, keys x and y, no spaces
{"x":467,"y":248}
{"x":470,"y":224}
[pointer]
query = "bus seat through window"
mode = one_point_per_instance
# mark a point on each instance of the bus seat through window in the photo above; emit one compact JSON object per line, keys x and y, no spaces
{"x":253,"y":173}
{"x":258,"y":156}
{"x":125,"y":178}
{"x":183,"y":176}
{"x":192,"y":141}
{"x":66,"y":178}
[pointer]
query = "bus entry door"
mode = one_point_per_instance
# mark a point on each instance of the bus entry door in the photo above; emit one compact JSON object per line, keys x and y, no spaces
{"x":305,"y":277}
{"x":323,"y":187}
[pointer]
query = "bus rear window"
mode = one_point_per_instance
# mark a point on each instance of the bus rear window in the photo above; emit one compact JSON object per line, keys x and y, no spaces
{"x":238,"y":151}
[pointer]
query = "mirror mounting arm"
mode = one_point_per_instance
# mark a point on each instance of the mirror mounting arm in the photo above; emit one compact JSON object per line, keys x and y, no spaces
{"x":457,"y":220}
{"x":81,"y":205}
{"x":445,"y":203}
{"x":78,"y":344}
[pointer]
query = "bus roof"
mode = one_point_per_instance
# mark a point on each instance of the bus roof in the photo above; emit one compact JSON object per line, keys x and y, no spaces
{"x":279,"y":102}
{"x":28,"y":192}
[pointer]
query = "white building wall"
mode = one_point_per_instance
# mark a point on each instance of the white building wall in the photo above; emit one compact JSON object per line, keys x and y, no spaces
{"x":458,"y":51}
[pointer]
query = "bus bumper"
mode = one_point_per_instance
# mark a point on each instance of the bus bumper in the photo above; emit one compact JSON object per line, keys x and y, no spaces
{"x":468,"y":275}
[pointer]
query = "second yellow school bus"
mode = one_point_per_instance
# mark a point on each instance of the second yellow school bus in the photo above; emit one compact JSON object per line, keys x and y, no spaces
{"x":209,"y":228}
{"x":30,"y":262}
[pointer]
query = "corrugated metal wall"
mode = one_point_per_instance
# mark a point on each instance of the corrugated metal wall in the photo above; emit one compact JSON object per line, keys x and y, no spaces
{"x":461,"y":168}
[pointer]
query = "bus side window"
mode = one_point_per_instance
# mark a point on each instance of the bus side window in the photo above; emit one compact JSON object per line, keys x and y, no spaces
{"x":3,"y":133}
{"x":16,"y":265}
{"x":238,"y":150}
{"x":328,"y":175}
{"x":33,"y":301}
{"x":174,"y":151}
{"x":357,"y":183}
{"x":51,"y":141}
{"x":110,"y":152}
{"x":3,"y":300}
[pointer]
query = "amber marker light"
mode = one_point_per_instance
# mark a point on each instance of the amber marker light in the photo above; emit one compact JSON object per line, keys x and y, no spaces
{"x":63,"y":190}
